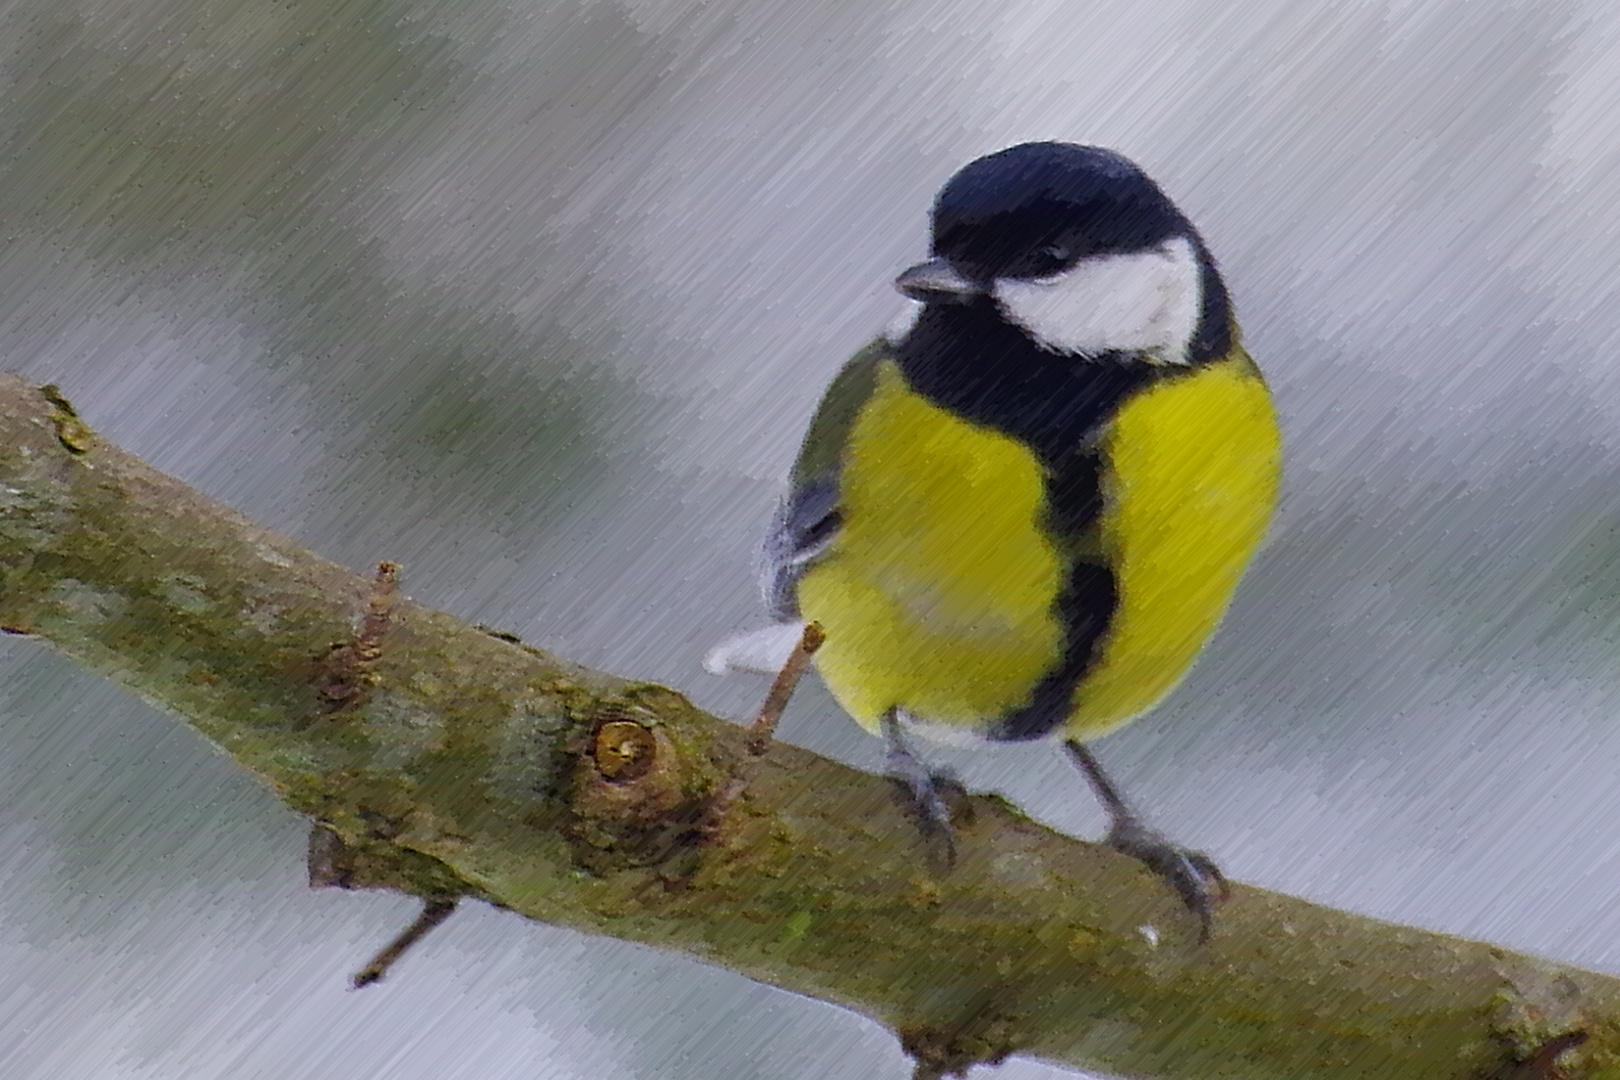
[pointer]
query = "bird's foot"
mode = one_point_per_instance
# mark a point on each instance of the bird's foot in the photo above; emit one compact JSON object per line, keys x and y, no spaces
{"x":925,"y":796}
{"x":1192,"y":874}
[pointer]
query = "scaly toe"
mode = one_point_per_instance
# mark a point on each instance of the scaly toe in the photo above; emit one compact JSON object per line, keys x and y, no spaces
{"x":1191,"y":874}
{"x":921,"y":795}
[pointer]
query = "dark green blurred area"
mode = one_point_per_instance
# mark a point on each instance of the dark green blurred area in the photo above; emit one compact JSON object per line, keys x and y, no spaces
{"x":243,"y":143}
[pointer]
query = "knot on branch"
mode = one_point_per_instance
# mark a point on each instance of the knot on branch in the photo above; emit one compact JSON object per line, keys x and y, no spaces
{"x":1541,"y":1022}
{"x":640,"y":792}
{"x":940,"y":1052}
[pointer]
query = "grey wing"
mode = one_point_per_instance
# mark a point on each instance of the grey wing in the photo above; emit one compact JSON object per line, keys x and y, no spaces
{"x":805,"y":525}
{"x":808,"y":519}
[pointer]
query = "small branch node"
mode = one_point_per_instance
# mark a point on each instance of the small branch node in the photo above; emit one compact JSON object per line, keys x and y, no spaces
{"x":624,"y":750}
{"x":330,"y":863}
{"x":1542,"y":1064}
{"x":73,"y":433}
{"x":348,"y":673}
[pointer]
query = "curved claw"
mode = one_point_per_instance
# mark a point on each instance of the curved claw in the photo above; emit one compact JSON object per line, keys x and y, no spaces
{"x":1191,"y":874}
{"x":924,"y":794}
{"x":1209,"y":871}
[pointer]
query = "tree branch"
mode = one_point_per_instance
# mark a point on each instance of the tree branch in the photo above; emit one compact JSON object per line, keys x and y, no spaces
{"x":448,"y":761}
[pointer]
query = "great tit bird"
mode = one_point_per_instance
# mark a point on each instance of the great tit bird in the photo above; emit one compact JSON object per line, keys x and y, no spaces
{"x":1020,"y":514}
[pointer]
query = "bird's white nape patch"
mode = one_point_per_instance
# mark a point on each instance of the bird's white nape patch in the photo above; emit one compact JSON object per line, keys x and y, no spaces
{"x":1148,"y":301}
{"x":901,"y":326}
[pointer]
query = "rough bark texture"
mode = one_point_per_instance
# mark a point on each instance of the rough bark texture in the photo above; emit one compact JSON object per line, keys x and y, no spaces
{"x":448,"y":761}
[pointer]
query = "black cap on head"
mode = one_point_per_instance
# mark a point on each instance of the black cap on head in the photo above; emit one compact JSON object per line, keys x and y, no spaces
{"x":1032,"y":210}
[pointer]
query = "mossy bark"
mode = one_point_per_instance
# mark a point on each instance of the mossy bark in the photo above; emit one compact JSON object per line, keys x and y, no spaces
{"x":450,"y":761}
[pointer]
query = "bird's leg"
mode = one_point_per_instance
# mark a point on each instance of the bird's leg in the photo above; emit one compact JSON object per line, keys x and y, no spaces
{"x":923,"y":793}
{"x":1192,"y":874}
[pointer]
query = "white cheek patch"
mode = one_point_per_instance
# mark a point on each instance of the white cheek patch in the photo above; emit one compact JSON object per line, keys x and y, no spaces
{"x":903,"y":322}
{"x":1146,"y":302}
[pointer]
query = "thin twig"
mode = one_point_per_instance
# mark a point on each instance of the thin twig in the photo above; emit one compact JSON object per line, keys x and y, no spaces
{"x":434,"y":912}
{"x":763,"y":729}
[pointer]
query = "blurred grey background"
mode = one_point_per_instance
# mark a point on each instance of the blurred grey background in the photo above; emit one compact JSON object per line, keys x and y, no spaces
{"x":535,"y":298}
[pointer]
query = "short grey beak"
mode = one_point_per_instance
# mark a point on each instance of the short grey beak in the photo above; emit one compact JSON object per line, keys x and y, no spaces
{"x":937,"y":281}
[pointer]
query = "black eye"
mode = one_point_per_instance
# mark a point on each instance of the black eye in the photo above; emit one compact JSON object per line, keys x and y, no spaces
{"x":1050,"y":259}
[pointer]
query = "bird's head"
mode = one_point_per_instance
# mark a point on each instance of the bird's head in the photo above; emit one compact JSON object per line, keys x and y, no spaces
{"x":1075,"y":245}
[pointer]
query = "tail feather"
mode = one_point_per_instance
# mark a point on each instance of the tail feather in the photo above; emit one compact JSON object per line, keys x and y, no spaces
{"x":762,"y":650}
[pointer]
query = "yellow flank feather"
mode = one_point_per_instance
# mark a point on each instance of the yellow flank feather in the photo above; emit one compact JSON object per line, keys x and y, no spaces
{"x":937,"y":594}
{"x":1194,"y":467}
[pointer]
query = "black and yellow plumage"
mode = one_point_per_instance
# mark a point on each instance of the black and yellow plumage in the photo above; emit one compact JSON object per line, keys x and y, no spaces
{"x":1023,"y":515}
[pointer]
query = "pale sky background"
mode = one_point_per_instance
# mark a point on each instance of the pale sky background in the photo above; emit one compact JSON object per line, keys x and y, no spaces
{"x":536,"y":299}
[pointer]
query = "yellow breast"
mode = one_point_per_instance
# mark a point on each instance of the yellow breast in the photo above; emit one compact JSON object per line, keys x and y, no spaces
{"x":937,"y":595}
{"x":1194,"y":465}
